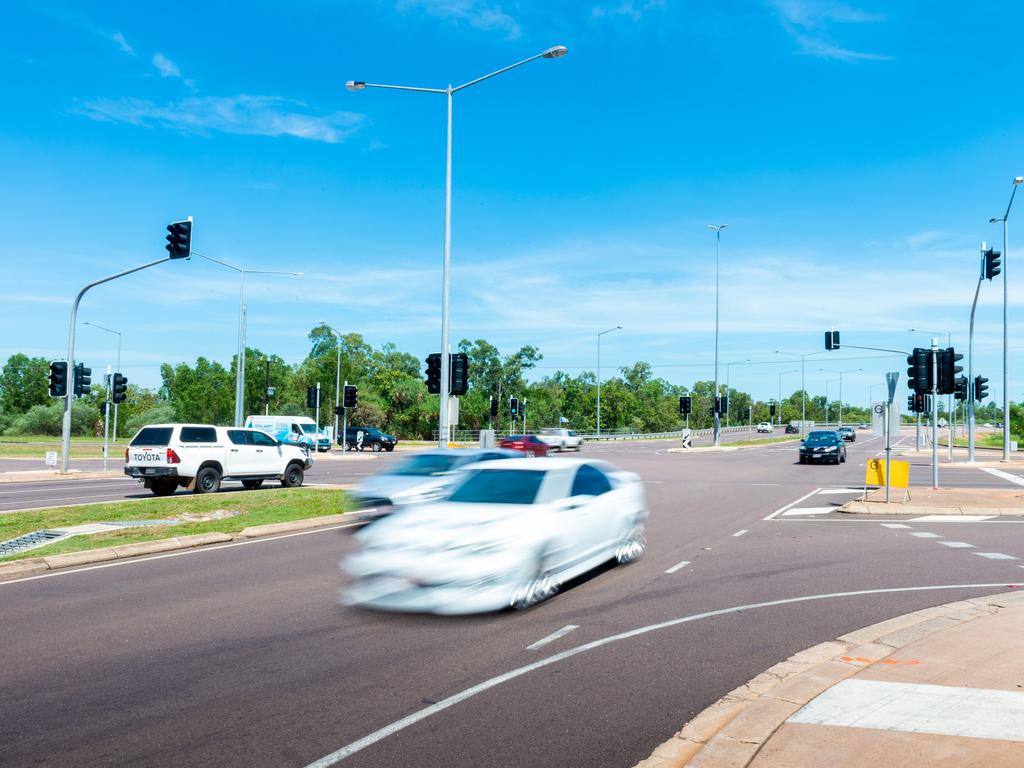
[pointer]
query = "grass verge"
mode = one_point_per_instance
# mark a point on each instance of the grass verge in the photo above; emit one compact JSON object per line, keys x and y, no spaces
{"x":762,"y":441}
{"x":36,"y":446}
{"x":252,"y":508}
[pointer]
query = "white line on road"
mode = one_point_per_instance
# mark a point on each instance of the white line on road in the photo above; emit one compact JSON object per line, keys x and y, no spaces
{"x":995,"y":555}
{"x":1015,"y":479}
{"x":841,"y":490}
{"x":553,"y":636}
{"x":780,"y":510}
{"x":926,"y":535}
{"x":951,"y":518}
{"x":677,"y":566}
{"x":894,"y":525}
{"x":809,"y":511}
{"x":740,"y":533}
{"x":956,"y":544}
{"x":422,"y":714}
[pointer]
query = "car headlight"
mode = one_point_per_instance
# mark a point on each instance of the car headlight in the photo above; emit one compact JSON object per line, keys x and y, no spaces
{"x":832,"y":448}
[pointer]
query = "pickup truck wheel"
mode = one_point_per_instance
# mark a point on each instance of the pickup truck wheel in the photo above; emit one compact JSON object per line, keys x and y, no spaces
{"x":377,"y":447}
{"x":252,"y":485}
{"x":161,"y":487}
{"x":207,"y":480}
{"x":293,"y":476}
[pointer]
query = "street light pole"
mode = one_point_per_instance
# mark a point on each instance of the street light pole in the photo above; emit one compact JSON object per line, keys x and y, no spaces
{"x":113,"y":437}
{"x":803,"y":388}
{"x":554,"y":52}
{"x":717,"y":229}
{"x":784,"y":373}
{"x":851,"y":370}
{"x":1006,"y":322}
{"x":337,"y":379}
{"x":602,"y":333}
{"x":240,"y":366}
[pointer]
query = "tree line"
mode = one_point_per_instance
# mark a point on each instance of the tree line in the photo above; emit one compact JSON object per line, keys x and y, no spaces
{"x":392,"y":393}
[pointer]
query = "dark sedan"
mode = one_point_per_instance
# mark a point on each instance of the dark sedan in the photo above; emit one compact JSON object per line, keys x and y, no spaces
{"x":530,"y":445}
{"x":792,"y":430}
{"x":847,"y":433}
{"x":822,"y":446}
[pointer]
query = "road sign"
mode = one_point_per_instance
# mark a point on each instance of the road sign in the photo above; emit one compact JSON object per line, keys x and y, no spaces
{"x":51,"y":458}
{"x":891,"y":378}
{"x":899,"y":473}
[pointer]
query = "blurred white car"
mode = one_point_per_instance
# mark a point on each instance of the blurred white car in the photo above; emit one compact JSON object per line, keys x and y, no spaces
{"x":764,"y":426}
{"x":508,"y":535}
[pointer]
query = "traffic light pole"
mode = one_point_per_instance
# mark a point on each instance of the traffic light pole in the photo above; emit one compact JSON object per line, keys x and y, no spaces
{"x":344,"y":428}
{"x":106,"y":418}
{"x":65,"y":462}
{"x":970,"y":364}
{"x":935,"y":413}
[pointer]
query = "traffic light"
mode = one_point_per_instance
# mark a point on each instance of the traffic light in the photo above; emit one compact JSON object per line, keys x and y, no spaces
{"x":960,"y":388}
{"x":725,"y":404}
{"x":82,"y":380}
{"x":351,"y":396}
{"x":746,"y":413}
{"x":980,"y":387}
{"x":118,"y":388}
{"x":685,"y":405}
{"x":513,"y":406}
{"x":831,"y":340}
{"x":494,"y":408}
{"x":911,"y":403}
{"x":460,"y":373}
{"x":948,"y":369}
{"x":312,"y":397}
{"x":919,"y":374}
{"x":179,"y":239}
{"x":771,"y":409}
{"x":339,"y":410}
{"x":58,"y":378}
{"x":103,"y":408}
{"x":434,"y":373}
{"x":993,"y":263}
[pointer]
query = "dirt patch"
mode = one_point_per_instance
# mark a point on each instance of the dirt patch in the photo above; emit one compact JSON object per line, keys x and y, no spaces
{"x":205,"y":517}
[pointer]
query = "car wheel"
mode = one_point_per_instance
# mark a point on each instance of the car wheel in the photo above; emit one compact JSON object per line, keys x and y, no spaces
{"x":538,"y":588}
{"x":293,"y":476}
{"x":252,"y":485}
{"x":376,"y":447}
{"x":633,"y":545}
{"x":802,"y":460}
{"x":207,"y":480}
{"x":390,"y":448}
{"x":529,"y":454}
{"x":163,"y":487}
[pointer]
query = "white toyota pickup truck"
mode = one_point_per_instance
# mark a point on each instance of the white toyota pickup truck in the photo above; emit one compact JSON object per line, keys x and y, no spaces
{"x":560,"y":439}
{"x":199,"y":456}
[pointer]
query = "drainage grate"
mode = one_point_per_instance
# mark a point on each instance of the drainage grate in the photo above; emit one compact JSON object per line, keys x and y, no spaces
{"x":29,"y":541}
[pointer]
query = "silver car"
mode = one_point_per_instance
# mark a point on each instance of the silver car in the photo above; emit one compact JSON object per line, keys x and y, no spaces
{"x":421,"y":477}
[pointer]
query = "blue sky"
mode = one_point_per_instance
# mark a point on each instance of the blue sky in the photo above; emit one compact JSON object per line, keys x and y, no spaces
{"x":856,"y":152}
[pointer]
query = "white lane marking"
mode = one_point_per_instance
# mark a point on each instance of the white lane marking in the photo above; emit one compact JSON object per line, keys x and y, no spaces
{"x":677,"y":566}
{"x":780,"y":510}
{"x":951,"y":518}
{"x":740,"y":533}
{"x":553,"y":636}
{"x":193,"y":551}
{"x":956,"y":544}
{"x":422,"y":714}
{"x":926,"y":535}
{"x":767,"y":484}
{"x":74,"y":487}
{"x":894,"y":525}
{"x":809,"y":511}
{"x":841,"y":490}
{"x":995,"y":555}
{"x":1015,"y":479}
{"x":979,"y":713}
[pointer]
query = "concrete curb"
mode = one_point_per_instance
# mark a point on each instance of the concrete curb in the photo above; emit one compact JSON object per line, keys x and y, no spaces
{"x":42,"y":475}
{"x":731,"y":731}
{"x":34,"y":565}
{"x":700,"y":448}
{"x":881,"y":508}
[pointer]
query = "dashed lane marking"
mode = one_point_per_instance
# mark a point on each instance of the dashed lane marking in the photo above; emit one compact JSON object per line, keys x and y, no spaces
{"x":925,"y":535}
{"x":553,"y":636}
{"x":740,"y":533}
{"x":995,"y":555}
{"x":894,"y":525}
{"x":677,"y":566}
{"x":956,"y":544}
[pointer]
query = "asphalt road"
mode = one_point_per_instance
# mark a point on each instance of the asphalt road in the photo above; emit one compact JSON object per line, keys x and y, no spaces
{"x":240,"y":655}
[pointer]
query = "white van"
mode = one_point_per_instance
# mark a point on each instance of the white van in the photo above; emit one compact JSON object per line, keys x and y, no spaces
{"x":291,"y":429}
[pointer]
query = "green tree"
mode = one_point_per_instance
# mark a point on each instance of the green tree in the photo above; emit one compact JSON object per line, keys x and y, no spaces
{"x":24,"y":382}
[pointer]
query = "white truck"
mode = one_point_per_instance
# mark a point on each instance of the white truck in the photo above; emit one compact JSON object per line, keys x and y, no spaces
{"x":292,"y":429}
{"x":560,"y":439}
{"x":199,"y":456}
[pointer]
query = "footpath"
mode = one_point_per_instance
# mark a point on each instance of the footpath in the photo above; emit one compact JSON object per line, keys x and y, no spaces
{"x":943,"y":686}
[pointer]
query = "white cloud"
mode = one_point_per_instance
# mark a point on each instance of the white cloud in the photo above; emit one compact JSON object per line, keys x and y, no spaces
{"x":628,"y":8}
{"x":122,"y":43}
{"x":242,"y":114}
{"x":477,"y":13}
{"x":165,"y":66}
{"x":807,"y":22}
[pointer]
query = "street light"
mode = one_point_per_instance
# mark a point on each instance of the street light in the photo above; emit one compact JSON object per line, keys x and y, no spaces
{"x":826,"y":370}
{"x":803,"y":389}
{"x":1017,"y":181}
{"x":240,"y":365}
{"x":728,"y":391}
{"x":117,"y":368}
{"x":717,"y":229}
{"x":784,"y":373}
{"x":602,"y":333}
{"x":555,"y":52}
{"x":337,"y":382}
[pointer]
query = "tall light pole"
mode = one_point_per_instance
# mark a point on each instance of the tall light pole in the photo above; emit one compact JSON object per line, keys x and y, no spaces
{"x":113,"y":439}
{"x":337,"y":379}
{"x":717,"y":229}
{"x":728,"y":391}
{"x":827,"y":382}
{"x":1006,"y":323}
{"x":784,"y":373}
{"x":851,"y":370}
{"x":555,"y":52}
{"x":602,"y":333}
{"x":240,"y":364}
{"x":803,"y":378}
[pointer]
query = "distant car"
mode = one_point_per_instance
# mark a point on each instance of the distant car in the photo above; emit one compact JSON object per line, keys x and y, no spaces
{"x":847,"y":434}
{"x":792,"y":430}
{"x":561,"y":439}
{"x":531,"y":445}
{"x":764,"y":426}
{"x":371,"y":438}
{"x":507,"y":536}
{"x":822,"y":446}
{"x":862,"y":425}
{"x":421,"y":477}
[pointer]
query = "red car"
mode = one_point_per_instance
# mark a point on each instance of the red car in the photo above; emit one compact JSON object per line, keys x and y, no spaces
{"x":531,"y":445}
